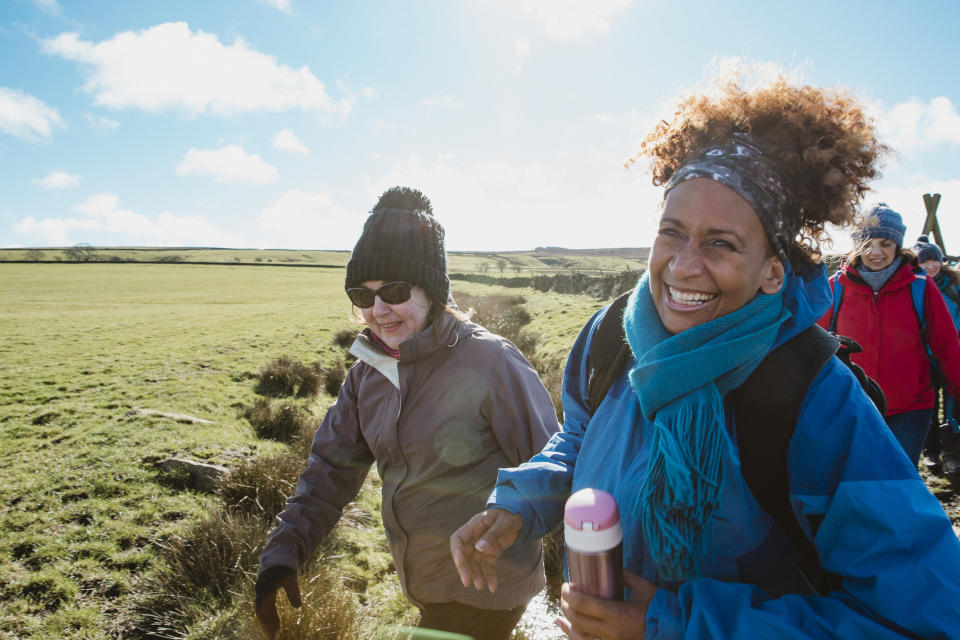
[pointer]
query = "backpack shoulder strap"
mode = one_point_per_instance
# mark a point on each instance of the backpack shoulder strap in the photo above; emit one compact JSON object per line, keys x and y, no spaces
{"x":608,"y":352}
{"x":766,"y":407}
{"x":837,"y":299}
{"x":918,"y":289}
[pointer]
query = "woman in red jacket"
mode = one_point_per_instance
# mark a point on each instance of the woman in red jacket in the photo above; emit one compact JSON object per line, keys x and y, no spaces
{"x":877,"y":310}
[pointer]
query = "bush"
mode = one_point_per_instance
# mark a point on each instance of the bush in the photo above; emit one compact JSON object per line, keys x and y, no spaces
{"x":284,"y":423}
{"x":502,"y":315}
{"x":344,"y":338}
{"x":200,"y":570}
{"x":334,"y":378}
{"x":261,"y":486}
{"x":288,"y":377}
{"x":551,"y":374}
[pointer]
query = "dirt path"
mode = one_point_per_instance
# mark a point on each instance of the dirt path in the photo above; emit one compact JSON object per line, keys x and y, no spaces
{"x":947,"y":491}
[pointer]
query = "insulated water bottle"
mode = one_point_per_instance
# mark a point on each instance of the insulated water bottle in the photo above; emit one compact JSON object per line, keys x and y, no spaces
{"x":594,"y":544}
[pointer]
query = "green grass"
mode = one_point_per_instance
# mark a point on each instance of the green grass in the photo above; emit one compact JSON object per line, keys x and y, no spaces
{"x":81,"y":508}
{"x":86,"y":521}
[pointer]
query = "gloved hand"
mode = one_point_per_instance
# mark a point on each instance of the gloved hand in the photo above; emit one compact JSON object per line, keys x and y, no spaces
{"x":268,"y":583}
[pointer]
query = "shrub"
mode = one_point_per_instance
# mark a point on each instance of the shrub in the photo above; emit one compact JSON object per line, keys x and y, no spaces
{"x":551,"y":374}
{"x":200,"y":570}
{"x":503,"y":315}
{"x":260,"y":486}
{"x":344,"y":338}
{"x":288,"y":376}
{"x":284,"y":423}
{"x":334,"y":378}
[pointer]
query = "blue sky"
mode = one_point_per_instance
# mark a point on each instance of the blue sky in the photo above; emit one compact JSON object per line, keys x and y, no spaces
{"x":277,"y":123}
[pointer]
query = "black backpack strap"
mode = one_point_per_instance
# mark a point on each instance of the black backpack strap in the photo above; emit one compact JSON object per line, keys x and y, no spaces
{"x":608,"y":352}
{"x":766,"y":407}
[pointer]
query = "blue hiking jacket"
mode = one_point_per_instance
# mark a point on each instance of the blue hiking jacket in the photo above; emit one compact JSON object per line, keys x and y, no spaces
{"x":855,"y":493}
{"x":949,"y":291}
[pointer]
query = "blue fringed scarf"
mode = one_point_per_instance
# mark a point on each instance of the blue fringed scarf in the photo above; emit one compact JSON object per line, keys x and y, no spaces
{"x":680,"y":381}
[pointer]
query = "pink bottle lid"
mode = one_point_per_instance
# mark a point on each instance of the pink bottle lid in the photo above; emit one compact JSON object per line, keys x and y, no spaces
{"x":591,"y":505}
{"x":591,"y":521}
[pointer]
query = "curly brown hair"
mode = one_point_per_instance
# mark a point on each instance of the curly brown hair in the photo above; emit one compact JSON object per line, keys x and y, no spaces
{"x":825,"y":145}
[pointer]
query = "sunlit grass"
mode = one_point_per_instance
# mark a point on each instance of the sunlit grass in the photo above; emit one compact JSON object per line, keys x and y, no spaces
{"x":88,"y":527}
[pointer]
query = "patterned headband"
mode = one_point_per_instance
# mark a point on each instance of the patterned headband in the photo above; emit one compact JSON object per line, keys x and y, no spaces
{"x":740,"y":165}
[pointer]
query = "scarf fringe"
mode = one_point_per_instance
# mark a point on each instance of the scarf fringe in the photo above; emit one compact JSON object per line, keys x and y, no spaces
{"x":682,"y":489}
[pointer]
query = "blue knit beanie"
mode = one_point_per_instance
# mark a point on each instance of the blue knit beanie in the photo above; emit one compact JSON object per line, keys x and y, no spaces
{"x":881,"y":222}
{"x":926,"y":250}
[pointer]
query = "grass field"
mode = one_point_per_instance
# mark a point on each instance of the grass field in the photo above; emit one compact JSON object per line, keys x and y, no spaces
{"x":84,"y":514}
{"x":90,"y":530}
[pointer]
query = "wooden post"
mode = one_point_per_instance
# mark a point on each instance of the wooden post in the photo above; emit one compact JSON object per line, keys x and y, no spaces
{"x":931,"y":201}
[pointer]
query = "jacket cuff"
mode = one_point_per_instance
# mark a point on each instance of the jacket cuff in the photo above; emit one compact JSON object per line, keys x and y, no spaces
{"x":506,"y":497}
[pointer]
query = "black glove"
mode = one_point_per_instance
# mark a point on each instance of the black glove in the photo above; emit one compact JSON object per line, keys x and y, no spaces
{"x":269,"y":581}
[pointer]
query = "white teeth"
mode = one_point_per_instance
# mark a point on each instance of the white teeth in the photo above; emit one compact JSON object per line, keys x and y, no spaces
{"x":689,"y":296}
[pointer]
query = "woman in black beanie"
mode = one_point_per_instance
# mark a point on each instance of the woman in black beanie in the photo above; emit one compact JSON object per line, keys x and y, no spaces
{"x":439,"y":404}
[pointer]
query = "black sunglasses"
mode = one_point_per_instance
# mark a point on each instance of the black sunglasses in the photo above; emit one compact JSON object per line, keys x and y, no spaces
{"x":391,"y":293}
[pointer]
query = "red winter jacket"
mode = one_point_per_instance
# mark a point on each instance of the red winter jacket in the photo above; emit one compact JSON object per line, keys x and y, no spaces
{"x":886,"y":326}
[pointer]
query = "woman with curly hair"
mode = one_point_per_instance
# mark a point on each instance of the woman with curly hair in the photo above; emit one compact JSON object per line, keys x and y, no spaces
{"x":735,"y":278}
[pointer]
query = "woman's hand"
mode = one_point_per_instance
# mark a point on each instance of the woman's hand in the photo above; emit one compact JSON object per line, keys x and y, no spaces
{"x":269,"y":582}
{"x":588,"y":617}
{"x":476,"y":546}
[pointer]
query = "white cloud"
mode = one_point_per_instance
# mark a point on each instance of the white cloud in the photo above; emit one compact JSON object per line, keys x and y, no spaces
{"x":279,"y":5}
{"x":522,"y":47}
{"x":229,"y":164}
{"x":906,"y":197}
{"x":101,"y":124}
{"x":168,"y":67}
{"x":914,"y":126}
{"x":59,"y":180}
{"x":572,"y":18}
{"x":303,"y":219}
{"x":53,"y":232}
{"x":286,"y":140}
{"x":440,"y":102}
{"x":101,"y":215}
{"x":518,"y":207}
{"x":49,"y":6}
{"x":26,"y":117}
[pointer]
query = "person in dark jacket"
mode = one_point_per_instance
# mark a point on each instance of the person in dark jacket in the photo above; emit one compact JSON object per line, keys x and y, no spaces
{"x":750,"y":179}
{"x":877,"y":310}
{"x":438,"y":403}
{"x":943,"y":442}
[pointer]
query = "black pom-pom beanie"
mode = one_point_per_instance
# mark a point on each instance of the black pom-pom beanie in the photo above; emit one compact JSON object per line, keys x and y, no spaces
{"x":400,"y":244}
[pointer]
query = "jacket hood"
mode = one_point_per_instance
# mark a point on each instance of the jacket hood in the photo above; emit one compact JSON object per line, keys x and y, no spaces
{"x":808,"y":297}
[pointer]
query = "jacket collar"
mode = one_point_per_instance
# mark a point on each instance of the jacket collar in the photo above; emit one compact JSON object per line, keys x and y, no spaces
{"x":422,"y":345}
{"x":902,"y":277}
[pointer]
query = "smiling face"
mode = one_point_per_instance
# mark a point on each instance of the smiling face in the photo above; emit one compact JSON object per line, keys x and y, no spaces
{"x":932,"y":267}
{"x":711,"y":256}
{"x":878,"y":253}
{"x":394,"y":323}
